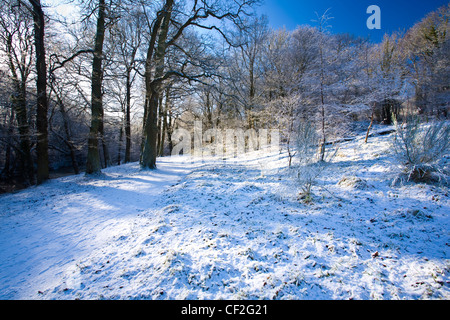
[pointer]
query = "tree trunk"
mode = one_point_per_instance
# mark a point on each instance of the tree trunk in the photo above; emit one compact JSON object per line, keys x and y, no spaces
{"x":119,"y":153}
{"x":128,"y":120}
{"x":169,"y":128}
{"x":159,"y":122}
{"x":149,"y":150}
{"x":324,"y":140}
{"x":20,"y":107}
{"x":68,"y":140}
{"x":153,"y":87}
{"x":93,"y":165}
{"x":6,"y":172}
{"x":101,"y":131}
{"x":164,"y":124}
{"x":251,"y":94}
{"x":322,"y":101}
{"x":370,"y":125}
{"x":42,"y":102}
{"x":290,"y":132}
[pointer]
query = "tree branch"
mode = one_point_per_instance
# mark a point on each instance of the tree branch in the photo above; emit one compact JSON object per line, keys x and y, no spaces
{"x":61,"y":64}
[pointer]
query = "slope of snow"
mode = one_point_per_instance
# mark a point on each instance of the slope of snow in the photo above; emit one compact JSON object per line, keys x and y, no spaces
{"x":229,"y":230}
{"x":45,"y":230}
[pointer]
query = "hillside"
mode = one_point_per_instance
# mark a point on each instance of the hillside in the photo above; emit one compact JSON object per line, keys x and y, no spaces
{"x":229,"y":230}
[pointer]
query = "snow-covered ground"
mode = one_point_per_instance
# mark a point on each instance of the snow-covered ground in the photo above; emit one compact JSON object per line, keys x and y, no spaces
{"x":229,"y":230}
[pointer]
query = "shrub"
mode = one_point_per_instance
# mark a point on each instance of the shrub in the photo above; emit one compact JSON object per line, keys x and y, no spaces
{"x":308,"y":166}
{"x":420,"y":148}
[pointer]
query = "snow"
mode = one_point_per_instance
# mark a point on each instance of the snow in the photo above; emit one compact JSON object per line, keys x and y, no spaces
{"x":229,"y":230}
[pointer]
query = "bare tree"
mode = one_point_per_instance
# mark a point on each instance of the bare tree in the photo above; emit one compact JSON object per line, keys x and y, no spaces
{"x":17,"y":43}
{"x":309,"y":165}
{"x":153,"y":84}
{"x":426,"y":46}
{"x":167,"y":30}
{"x":42,"y":101}
{"x":127,"y":41}
{"x":322,"y":22}
{"x":246,"y":63}
{"x":93,"y":165}
{"x":67,"y":136}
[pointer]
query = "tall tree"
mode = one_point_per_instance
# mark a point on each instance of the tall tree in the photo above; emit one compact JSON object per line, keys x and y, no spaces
{"x":93,"y":165}
{"x":426,"y":45}
{"x":153,"y":85}
{"x":322,"y":24}
{"x":389,"y":76}
{"x":17,"y":44}
{"x":42,"y":101}
{"x":202,"y":15}
{"x":127,"y":42}
{"x":252,"y":38}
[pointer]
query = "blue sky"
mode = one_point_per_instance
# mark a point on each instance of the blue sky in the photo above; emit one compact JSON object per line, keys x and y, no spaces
{"x":349,"y":16}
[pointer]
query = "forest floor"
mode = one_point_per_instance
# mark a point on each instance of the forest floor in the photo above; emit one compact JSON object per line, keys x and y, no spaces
{"x":234,"y":230}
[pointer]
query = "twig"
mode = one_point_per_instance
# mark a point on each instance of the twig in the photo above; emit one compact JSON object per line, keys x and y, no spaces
{"x":335,"y":196}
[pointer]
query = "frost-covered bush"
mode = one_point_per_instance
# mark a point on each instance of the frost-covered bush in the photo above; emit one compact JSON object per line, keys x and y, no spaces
{"x":421,"y":148}
{"x":307,"y":166}
{"x":353,"y":183}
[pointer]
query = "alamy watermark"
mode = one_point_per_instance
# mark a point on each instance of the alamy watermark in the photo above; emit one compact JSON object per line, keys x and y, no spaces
{"x":374,"y":21}
{"x":223,"y":144}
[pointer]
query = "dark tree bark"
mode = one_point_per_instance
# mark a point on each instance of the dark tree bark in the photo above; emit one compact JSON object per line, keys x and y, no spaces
{"x":6,"y":172}
{"x":149,"y":150}
{"x":370,"y":125}
{"x":42,"y":102}
{"x":93,"y":165}
{"x":101,"y":132}
{"x":169,"y":122}
{"x":19,"y":105}
{"x":119,"y":152}
{"x":164,"y":121}
{"x":68,"y":135}
{"x":160,"y":126}
{"x":128,"y":120}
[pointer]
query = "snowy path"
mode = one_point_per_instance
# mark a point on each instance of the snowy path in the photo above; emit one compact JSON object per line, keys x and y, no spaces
{"x":45,"y":229}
